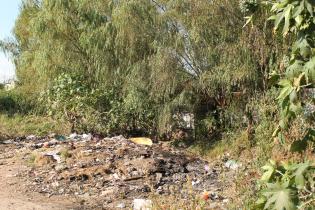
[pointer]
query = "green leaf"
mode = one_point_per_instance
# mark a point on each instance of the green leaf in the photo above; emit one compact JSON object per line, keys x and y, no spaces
{"x":309,"y":69}
{"x":296,"y":108}
{"x":269,"y":170}
{"x":309,"y":7}
{"x":298,"y":10}
{"x":279,"y":197}
{"x":293,"y":96}
{"x":298,"y":146}
{"x":281,"y":138}
{"x":248,"y":20}
{"x":285,"y":82}
{"x":299,"y":20}
{"x":287,"y":16}
{"x":260,"y":203}
{"x":277,"y":130}
{"x":278,"y":19}
{"x":299,"y":174}
{"x":297,"y":81}
{"x":285,"y":92}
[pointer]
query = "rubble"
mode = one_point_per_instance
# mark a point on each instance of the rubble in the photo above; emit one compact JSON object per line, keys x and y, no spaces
{"x":116,"y":173}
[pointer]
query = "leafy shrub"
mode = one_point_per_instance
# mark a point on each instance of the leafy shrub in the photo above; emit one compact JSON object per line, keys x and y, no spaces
{"x":291,"y":186}
{"x":15,"y":102}
{"x":287,"y":186}
{"x":97,"y":110}
{"x":70,"y":99}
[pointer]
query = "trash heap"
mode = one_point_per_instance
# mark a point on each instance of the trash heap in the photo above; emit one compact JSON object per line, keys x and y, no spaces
{"x":113,"y":173}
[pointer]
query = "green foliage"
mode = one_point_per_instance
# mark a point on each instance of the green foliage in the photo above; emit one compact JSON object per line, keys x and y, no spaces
{"x":158,"y":57}
{"x":295,"y":17}
{"x":287,"y":186}
{"x":248,"y":6}
{"x":67,"y":94}
{"x":15,"y":102}
{"x":95,"y":110}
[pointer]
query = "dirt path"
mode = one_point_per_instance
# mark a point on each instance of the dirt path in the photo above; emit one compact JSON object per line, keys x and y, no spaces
{"x":13,"y":193}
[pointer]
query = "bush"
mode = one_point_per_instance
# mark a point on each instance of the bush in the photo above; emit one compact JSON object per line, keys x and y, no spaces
{"x":15,"y":102}
{"x":102,"y":111}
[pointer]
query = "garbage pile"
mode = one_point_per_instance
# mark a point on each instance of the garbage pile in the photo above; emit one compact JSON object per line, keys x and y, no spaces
{"x":115,"y":173}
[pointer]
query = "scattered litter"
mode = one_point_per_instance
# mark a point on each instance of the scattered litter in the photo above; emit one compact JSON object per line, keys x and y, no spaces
{"x":8,"y":142}
{"x":121,"y":206}
{"x":142,"y":141}
{"x":55,"y":155}
{"x":31,"y":137}
{"x":87,"y":137}
{"x":112,"y":172}
{"x":60,"y":137}
{"x":73,"y":136}
{"x":232,"y":164}
{"x":194,"y":183}
{"x":205,"y":195}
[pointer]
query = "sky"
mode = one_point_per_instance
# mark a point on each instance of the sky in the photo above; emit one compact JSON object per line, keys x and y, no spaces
{"x":9,"y":10}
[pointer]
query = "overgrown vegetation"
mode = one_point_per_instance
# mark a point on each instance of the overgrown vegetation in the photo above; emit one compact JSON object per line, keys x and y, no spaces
{"x":291,"y":185}
{"x":169,"y":57}
{"x":130,"y":67}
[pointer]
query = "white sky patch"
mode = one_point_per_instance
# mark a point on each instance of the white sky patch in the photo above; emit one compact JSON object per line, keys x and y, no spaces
{"x":7,"y":69}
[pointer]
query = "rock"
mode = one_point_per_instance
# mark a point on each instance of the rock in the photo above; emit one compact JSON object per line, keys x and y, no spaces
{"x":142,"y":204}
{"x":115,"y":176}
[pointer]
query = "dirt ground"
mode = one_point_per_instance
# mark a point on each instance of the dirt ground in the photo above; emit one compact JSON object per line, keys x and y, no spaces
{"x":14,"y":193}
